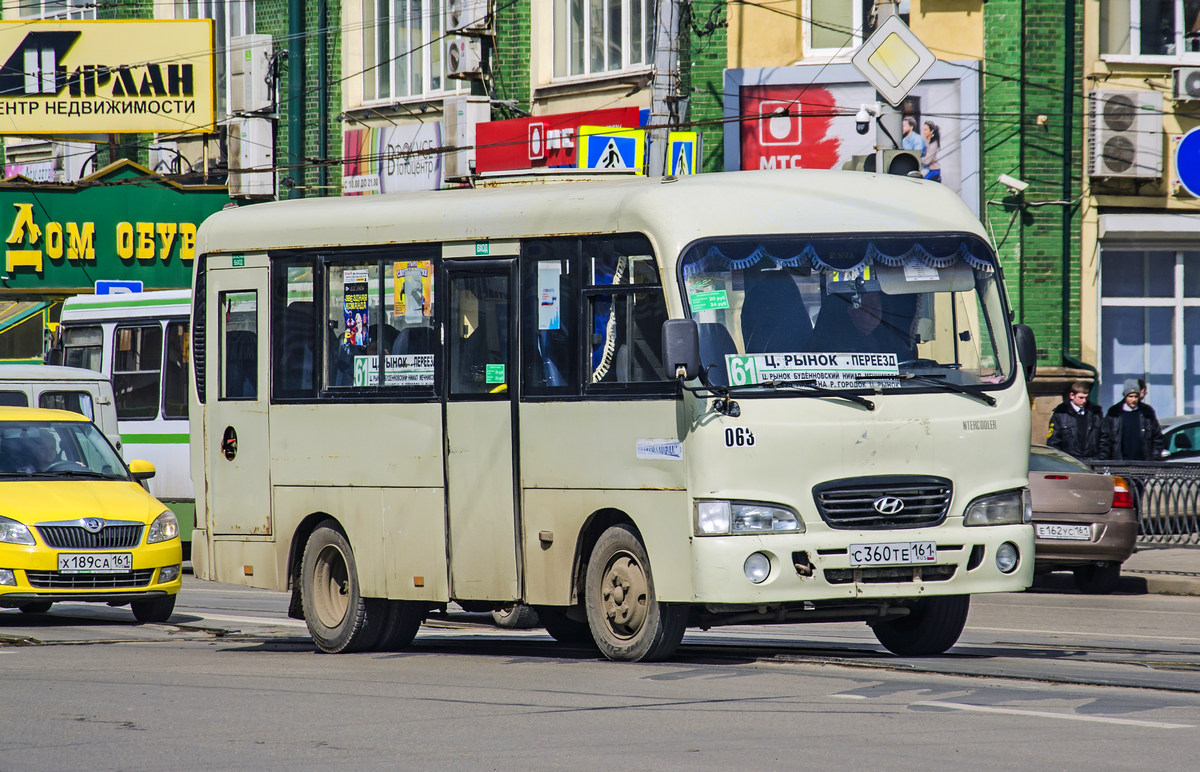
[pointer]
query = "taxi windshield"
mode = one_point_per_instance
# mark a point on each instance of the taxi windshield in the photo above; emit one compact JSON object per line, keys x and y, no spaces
{"x":864,"y":311}
{"x":57,"y":449}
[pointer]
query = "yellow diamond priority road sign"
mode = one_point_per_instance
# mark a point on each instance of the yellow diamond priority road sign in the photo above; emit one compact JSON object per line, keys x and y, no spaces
{"x":893,"y":60}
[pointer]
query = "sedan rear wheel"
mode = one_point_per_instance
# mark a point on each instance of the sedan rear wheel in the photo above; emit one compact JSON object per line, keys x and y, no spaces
{"x":1098,"y":578}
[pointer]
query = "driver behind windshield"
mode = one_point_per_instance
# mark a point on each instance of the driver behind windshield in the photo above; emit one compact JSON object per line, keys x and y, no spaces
{"x":862,"y":319}
{"x":27,"y":453}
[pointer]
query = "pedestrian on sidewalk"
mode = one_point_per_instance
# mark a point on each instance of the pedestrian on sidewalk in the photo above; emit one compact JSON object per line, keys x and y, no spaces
{"x":1077,"y":424}
{"x":1131,"y":430}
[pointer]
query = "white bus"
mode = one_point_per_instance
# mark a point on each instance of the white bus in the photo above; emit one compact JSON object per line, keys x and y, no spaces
{"x":635,"y":405}
{"x":140,"y":341}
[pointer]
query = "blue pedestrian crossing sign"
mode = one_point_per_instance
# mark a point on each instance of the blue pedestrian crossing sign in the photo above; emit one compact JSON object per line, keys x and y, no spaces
{"x":682,"y":153}
{"x":602,"y":147}
{"x":1187,"y":162}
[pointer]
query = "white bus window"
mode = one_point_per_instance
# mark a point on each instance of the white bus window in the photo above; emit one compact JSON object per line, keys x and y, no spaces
{"x":137,"y":357}
{"x":294,"y":330}
{"x":13,"y":399}
{"x":175,"y":371}
{"x":84,"y":347}
{"x":238,"y":315}
{"x":626,"y":310}
{"x":478,"y":333}
{"x":550,"y":318}
{"x":74,"y":401}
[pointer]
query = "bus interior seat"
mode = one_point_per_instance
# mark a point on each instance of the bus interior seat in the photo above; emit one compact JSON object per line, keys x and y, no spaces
{"x":413,"y":340}
{"x":774,"y":319}
{"x":715,"y":343}
{"x":241,"y":364}
{"x":390,"y":334}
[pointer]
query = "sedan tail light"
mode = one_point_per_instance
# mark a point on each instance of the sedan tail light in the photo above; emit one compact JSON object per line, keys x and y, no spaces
{"x":1122,"y":498}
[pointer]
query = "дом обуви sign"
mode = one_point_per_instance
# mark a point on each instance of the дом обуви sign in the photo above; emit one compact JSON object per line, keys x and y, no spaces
{"x":106,"y":77}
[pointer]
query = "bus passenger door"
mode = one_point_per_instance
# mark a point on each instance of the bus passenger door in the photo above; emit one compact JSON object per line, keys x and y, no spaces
{"x":236,"y":448}
{"x":480,"y":467}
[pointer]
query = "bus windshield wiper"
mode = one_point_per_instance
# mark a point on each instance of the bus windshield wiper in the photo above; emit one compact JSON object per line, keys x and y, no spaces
{"x":934,"y":379}
{"x":810,"y":385}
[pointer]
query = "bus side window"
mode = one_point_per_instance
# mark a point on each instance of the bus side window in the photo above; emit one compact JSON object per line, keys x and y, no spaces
{"x":74,"y":401}
{"x":175,"y":371}
{"x":550,"y":317}
{"x":294,"y":330}
{"x":238,"y":319}
{"x":352,"y":323}
{"x":137,"y":357}
{"x":626,"y":310}
{"x":478,"y":335}
{"x":83,"y":347}
{"x":14,"y":399}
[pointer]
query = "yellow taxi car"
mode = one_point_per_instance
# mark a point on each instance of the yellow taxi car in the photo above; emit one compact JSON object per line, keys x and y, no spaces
{"x":75,"y":522}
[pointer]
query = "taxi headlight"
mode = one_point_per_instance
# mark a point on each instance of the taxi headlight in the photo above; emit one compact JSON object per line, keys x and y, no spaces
{"x":730,"y":517}
{"x":164,"y":527}
{"x":12,"y":532}
{"x":8,"y":577}
{"x":1008,"y":508}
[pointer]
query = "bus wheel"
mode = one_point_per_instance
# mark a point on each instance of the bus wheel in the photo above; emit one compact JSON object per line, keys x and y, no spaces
{"x":404,"y":618}
{"x":515,"y":617}
{"x":627,"y":621}
{"x":562,"y":628}
{"x":153,"y":611}
{"x":932,"y":627}
{"x":339,"y":618}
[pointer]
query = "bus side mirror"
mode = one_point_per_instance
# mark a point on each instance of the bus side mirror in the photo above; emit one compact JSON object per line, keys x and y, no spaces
{"x":681,"y":349}
{"x":1026,"y":349}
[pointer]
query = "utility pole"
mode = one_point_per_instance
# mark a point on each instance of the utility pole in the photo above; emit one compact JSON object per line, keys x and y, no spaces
{"x":664,"y":98}
{"x":888,"y":120}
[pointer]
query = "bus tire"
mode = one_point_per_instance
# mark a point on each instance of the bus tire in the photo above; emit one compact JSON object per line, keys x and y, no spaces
{"x":627,"y":621}
{"x":932,"y":627}
{"x":515,"y":617}
{"x":339,"y":618}
{"x":153,"y":611}
{"x":403,"y":620}
{"x":562,"y":628}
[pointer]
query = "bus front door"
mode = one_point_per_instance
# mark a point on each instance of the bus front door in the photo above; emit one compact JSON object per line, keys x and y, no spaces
{"x":480,"y":466}
{"x":236,"y":444}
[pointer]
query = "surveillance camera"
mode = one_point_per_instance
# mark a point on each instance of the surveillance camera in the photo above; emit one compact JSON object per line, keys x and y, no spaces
{"x":1013,"y":184}
{"x":862,"y":121}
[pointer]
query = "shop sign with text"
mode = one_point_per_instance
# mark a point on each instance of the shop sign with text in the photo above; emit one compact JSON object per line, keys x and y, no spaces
{"x":543,"y":141}
{"x":392,"y":159}
{"x":106,"y":77}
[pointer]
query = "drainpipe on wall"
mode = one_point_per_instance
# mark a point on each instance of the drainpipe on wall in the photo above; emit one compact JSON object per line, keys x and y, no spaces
{"x":296,"y":96}
{"x":323,"y":97}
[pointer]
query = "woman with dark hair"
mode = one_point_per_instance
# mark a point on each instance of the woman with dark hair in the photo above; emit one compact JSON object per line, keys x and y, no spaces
{"x":933,"y":143}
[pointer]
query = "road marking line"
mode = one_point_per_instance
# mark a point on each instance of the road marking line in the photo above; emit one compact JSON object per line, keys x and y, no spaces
{"x":1078,"y":632}
{"x":1049,"y":714}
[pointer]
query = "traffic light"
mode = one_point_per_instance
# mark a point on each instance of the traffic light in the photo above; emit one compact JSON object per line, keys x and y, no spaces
{"x":902,"y":162}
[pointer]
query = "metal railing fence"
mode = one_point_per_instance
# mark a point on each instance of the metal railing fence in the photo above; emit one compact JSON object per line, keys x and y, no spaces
{"x":1167,"y":497}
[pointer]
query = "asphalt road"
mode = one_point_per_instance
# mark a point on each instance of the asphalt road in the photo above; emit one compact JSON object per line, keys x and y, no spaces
{"x":1039,"y":680}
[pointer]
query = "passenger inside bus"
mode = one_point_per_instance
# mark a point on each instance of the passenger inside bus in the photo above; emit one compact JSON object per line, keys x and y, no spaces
{"x":866,"y":321}
{"x":774,"y":319}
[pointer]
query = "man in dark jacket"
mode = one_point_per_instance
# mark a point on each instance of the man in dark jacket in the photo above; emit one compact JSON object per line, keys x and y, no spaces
{"x":1131,"y":431}
{"x":1077,"y":425}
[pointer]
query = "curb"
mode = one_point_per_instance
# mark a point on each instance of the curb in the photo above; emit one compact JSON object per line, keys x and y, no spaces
{"x":1160,"y":583}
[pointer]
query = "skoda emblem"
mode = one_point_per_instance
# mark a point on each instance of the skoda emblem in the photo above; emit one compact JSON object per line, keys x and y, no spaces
{"x":888,"y":505}
{"x":93,"y":524}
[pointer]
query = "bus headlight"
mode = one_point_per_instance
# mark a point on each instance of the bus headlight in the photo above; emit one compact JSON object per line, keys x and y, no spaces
{"x":714,"y":518}
{"x":164,"y":527}
{"x":1008,"y":508}
{"x":12,"y":532}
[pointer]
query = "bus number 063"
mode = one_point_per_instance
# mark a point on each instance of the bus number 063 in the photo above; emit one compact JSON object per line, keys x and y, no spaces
{"x":738,"y":438}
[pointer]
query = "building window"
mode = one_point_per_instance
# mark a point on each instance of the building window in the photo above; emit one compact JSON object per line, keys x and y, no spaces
{"x":1150,"y":28}
{"x":592,"y":37}
{"x":231,"y":18}
{"x":839,"y":27}
{"x":58,"y":10}
{"x":404,"y":49}
{"x":1150,"y":326}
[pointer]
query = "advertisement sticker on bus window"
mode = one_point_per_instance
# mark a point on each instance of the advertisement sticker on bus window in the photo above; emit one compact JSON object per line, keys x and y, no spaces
{"x":401,"y":370}
{"x":549,"y":286}
{"x":494,"y":373}
{"x":914,"y":271}
{"x":661,"y":450}
{"x":355,"y":307}
{"x":708,"y":301}
{"x":832,"y":371}
{"x":412,"y":289}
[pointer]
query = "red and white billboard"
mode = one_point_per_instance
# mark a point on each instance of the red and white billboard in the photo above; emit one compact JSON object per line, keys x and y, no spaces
{"x":543,"y":141}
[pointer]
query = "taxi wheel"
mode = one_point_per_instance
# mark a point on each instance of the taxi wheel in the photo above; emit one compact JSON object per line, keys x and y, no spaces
{"x":38,"y":607}
{"x":627,"y":621}
{"x":339,"y":618}
{"x":153,"y":611}
{"x":932,"y":627}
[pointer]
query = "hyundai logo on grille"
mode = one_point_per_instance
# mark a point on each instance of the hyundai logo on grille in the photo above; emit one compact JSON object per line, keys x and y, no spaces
{"x":888,"y":505}
{"x":95,"y":524}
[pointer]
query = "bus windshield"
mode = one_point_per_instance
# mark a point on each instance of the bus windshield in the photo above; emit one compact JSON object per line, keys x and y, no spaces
{"x":866,"y":311}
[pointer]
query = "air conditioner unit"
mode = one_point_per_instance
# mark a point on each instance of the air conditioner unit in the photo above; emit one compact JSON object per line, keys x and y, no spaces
{"x":1185,"y":82}
{"x":165,"y":158}
{"x":467,"y":17}
{"x":1126,"y":134}
{"x":249,"y":59}
{"x":251,"y":158}
{"x":464,"y":58}
{"x":461,"y":114}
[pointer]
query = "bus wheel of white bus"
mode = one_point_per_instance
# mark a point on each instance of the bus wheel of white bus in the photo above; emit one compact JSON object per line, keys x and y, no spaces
{"x":515,"y":617}
{"x":153,"y":611}
{"x":562,"y":628}
{"x":932,"y":627}
{"x":627,"y":621}
{"x":339,"y":618}
{"x":404,"y":618}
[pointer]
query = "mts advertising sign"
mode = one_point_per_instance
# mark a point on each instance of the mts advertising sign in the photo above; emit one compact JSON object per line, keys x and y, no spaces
{"x":106,"y":77}
{"x":544,"y":141}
